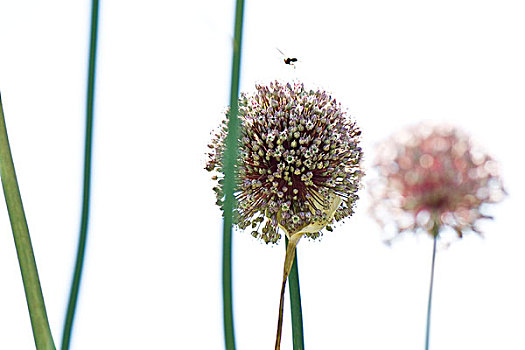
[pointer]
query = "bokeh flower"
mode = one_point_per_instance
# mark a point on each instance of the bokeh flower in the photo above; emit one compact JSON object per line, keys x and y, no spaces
{"x":432,"y":177}
{"x":299,"y":162}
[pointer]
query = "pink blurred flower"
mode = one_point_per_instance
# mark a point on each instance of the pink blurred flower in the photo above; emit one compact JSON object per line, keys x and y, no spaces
{"x":431,"y":178}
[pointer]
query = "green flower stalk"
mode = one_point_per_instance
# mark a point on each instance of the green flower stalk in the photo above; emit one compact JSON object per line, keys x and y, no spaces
{"x":431,"y":179}
{"x":82,"y":240}
{"x":298,"y":169}
{"x":26,"y":259}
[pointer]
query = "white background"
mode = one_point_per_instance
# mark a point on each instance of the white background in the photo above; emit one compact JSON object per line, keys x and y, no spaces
{"x":152,"y":277}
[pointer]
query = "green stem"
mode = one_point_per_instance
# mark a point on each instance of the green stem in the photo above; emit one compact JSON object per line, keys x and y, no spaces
{"x":427,"y":338}
{"x":230,"y":158}
{"x":24,"y":249}
{"x":77,"y":275}
{"x":295,"y":305}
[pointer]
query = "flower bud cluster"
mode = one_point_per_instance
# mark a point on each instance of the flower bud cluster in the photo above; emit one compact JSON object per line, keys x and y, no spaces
{"x":298,"y":154}
{"x":433,"y":177}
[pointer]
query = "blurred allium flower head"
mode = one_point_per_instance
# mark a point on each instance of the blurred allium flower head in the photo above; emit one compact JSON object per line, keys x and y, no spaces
{"x":298,"y":166}
{"x":431,"y":178}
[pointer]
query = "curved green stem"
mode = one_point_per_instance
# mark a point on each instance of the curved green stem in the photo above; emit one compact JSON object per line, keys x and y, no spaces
{"x":427,"y":338}
{"x":289,"y":260}
{"x":295,"y":305}
{"x":24,"y":249}
{"x":77,"y":275}
{"x":230,"y":158}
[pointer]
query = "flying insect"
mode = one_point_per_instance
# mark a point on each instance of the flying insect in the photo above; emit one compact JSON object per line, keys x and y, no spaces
{"x":288,"y":60}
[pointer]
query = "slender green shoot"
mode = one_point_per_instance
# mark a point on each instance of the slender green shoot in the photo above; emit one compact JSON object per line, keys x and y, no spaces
{"x":295,"y":305}
{"x":427,"y":337}
{"x":24,"y":249}
{"x":230,"y":158}
{"x":77,"y":275}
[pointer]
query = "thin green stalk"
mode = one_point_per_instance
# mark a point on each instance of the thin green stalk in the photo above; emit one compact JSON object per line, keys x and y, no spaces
{"x":230,"y":158}
{"x":295,"y":305}
{"x":77,"y":275}
{"x":427,"y":338}
{"x":24,"y":249}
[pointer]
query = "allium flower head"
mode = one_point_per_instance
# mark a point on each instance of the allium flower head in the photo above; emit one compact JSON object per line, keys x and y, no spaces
{"x":433,"y":177}
{"x":298,"y":166}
